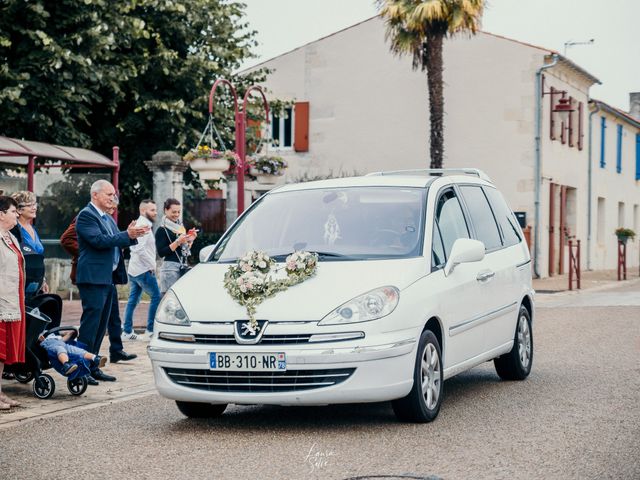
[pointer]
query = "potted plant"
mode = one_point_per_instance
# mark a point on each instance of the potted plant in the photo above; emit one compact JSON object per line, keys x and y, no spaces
{"x":267,"y":168}
{"x":214,"y":188}
{"x":209,"y":162}
{"x":625,"y":234}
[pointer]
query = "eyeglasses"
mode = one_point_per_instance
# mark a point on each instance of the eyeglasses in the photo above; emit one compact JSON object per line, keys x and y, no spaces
{"x":28,"y":205}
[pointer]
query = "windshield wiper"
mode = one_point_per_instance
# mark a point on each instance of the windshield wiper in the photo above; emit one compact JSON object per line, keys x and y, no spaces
{"x":283,"y":256}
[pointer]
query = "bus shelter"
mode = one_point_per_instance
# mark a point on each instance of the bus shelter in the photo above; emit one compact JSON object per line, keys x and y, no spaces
{"x":31,"y":155}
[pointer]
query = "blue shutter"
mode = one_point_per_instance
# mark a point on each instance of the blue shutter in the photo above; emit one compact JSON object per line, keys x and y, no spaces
{"x":637,"y":156}
{"x":603,"y":128}
{"x":619,"y":150}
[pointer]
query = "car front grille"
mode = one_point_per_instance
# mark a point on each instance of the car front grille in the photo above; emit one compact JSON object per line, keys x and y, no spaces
{"x":266,"y":339}
{"x":252,"y":382}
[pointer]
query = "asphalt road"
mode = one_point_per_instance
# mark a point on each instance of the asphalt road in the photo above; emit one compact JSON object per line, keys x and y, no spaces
{"x":576,"y":416}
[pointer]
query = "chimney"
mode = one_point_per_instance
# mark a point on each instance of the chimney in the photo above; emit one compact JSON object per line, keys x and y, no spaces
{"x":634,"y":105}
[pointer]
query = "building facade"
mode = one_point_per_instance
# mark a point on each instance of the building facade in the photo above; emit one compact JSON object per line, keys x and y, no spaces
{"x":366,"y":110}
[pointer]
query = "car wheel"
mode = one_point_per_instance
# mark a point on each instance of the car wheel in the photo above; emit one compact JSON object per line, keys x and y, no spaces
{"x":516,"y":365}
{"x":423,"y":402}
{"x":201,"y":410}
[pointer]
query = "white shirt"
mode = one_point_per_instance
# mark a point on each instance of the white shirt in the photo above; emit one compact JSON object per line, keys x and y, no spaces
{"x":143,"y":255}
{"x":116,"y":252}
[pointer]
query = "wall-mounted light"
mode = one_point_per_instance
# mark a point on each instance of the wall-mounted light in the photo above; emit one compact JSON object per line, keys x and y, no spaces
{"x":563,"y":108}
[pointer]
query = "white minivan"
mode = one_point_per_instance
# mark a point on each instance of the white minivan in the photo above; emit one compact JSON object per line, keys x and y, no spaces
{"x":421,"y":275}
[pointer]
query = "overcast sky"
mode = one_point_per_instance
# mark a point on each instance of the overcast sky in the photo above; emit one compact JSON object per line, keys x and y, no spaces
{"x":614,"y":57}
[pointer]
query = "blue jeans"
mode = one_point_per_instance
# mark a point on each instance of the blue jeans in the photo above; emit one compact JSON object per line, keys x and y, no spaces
{"x":146,"y":282}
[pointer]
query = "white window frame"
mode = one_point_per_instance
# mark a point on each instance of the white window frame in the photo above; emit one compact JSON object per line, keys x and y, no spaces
{"x":281,"y":123}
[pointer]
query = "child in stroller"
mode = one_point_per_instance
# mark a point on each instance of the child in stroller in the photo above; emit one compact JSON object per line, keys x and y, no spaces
{"x":36,"y":357}
{"x":66,"y":355}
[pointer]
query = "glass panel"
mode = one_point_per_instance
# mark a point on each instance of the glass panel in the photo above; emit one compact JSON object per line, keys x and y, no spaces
{"x":275,"y":130}
{"x":437,"y":252}
{"x":288,"y":128}
{"x":482,"y":217}
{"x":506,"y":219}
{"x":450,"y":220}
{"x":345,"y":223}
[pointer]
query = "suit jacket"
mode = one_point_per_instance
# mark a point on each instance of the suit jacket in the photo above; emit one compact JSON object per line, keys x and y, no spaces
{"x":69,"y":241}
{"x":95,"y":246}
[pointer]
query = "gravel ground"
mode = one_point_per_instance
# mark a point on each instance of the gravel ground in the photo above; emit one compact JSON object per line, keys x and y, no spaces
{"x":576,"y":416}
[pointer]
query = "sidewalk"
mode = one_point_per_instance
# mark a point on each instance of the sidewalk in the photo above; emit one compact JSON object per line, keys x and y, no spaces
{"x":589,"y":279}
{"x":134,"y":378}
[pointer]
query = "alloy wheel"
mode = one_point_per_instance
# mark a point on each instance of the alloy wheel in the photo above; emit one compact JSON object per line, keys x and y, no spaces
{"x":431,"y":376}
{"x":524,"y":341}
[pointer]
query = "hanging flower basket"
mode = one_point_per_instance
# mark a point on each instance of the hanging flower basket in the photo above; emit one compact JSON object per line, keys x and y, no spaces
{"x":267,"y":168}
{"x":210,"y":163}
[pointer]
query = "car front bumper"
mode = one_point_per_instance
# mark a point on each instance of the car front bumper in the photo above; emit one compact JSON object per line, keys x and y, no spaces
{"x":381,"y":372}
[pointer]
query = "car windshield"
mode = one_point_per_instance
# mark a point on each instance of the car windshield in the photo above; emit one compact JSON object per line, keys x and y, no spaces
{"x":355,"y":223}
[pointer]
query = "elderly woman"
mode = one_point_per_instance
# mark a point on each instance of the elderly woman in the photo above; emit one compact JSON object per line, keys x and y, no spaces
{"x":30,"y":244}
{"x":12,"y":309}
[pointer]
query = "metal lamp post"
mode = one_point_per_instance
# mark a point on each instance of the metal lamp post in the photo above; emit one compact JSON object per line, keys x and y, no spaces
{"x":240,"y":129}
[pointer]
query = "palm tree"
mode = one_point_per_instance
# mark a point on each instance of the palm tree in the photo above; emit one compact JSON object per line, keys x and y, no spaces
{"x":419,"y":27}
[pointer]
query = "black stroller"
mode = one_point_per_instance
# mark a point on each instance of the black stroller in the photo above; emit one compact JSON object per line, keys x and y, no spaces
{"x":44,"y":313}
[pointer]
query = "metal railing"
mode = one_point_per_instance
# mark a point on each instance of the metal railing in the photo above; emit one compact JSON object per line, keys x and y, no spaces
{"x":574,"y":264}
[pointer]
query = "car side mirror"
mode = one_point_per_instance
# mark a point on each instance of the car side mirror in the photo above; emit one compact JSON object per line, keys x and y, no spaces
{"x":205,"y":252}
{"x":465,"y":250}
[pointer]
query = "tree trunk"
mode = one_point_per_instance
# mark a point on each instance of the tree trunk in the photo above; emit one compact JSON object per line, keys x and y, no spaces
{"x":432,"y":61}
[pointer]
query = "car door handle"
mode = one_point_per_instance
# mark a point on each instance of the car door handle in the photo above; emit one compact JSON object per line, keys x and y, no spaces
{"x":485,"y":275}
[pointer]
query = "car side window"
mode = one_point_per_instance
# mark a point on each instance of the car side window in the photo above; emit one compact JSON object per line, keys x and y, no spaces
{"x":450,"y":220}
{"x":437,"y":251}
{"x":506,"y":219}
{"x":482,"y":217}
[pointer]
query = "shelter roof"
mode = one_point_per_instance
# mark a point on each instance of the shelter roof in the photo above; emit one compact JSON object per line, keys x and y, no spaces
{"x":17,"y":152}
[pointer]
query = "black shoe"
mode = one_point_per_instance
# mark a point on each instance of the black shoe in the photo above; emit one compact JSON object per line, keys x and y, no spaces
{"x":122,"y":355}
{"x":68,"y":368}
{"x":91,"y":381}
{"x":100,"y":375}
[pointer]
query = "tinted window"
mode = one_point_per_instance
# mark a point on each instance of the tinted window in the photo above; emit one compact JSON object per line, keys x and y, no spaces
{"x":450,"y":220}
{"x":482,"y":217}
{"x":506,"y":219}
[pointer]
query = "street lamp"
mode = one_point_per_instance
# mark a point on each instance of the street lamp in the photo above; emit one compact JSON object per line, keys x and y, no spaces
{"x":240,"y":112}
{"x":564,"y":109}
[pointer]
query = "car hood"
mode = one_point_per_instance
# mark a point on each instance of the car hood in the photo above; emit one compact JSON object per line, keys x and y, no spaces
{"x":204,"y":298}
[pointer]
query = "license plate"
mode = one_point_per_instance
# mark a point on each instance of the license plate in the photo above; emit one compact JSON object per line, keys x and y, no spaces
{"x":248,"y":362}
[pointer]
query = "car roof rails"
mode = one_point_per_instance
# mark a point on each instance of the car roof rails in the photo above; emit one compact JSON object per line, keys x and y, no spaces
{"x":436,"y":172}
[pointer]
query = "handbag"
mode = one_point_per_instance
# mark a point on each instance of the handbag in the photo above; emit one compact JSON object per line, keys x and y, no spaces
{"x":184,"y":266}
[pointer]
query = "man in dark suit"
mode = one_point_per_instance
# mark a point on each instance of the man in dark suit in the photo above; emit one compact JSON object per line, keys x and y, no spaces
{"x":100,"y":245}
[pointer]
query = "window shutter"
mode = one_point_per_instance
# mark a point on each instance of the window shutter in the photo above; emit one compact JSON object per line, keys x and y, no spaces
{"x":637,"y":156}
{"x":301,"y":134}
{"x":580,"y":127}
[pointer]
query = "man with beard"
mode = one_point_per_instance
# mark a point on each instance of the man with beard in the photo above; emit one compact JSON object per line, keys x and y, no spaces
{"x":142,"y":273}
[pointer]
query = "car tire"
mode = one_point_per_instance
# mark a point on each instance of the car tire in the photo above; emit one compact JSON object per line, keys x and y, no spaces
{"x":423,"y":402}
{"x":201,"y":410}
{"x":516,"y":365}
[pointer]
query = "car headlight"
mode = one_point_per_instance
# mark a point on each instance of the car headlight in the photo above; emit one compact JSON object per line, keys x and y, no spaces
{"x":372,"y":305}
{"x":170,"y":311}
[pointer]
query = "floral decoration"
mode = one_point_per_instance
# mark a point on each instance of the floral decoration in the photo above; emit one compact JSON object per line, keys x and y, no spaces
{"x":252,"y":279}
{"x":268,"y":164}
